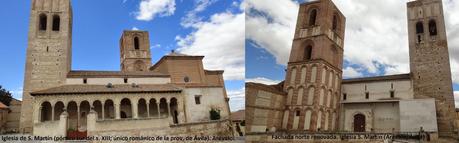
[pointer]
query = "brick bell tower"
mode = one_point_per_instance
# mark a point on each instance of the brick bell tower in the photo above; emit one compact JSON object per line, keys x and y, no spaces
{"x":314,"y":71}
{"x":49,"y":52}
{"x":429,"y":60}
{"x":135,"y":51}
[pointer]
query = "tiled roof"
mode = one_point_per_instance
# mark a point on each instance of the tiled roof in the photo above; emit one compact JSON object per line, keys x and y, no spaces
{"x":105,"y":74}
{"x":3,"y":106}
{"x":100,"y":89}
{"x":377,"y":78}
{"x":238,"y":115}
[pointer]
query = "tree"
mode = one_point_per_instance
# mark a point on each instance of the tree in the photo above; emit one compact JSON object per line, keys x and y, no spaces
{"x":5,"y":96}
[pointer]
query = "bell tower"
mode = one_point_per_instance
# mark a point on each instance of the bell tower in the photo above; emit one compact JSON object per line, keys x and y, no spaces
{"x":314,"y":70}
{"x":429,"y":60}
{"x":135,"y":51}
{"x":49,"y":52}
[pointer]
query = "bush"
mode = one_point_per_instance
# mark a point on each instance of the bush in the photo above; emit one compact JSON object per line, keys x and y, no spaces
{"x":214,"y":114}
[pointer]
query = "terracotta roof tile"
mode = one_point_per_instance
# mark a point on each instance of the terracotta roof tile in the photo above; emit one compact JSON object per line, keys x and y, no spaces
{"x":3,"y":106}
{"x":238,"y":115}
{"x":102,"y":74}
{"x":377,"y":78}
{"x":119,"y":88}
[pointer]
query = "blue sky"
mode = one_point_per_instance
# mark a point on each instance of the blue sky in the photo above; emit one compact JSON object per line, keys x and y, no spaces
{"x":98,"y":25}
{"x":376,"y":41}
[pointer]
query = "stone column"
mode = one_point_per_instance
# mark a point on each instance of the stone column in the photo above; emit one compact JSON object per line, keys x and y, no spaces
{"x":38,"y":114}
{"x":168,"y":109}
{"x":103,"y":111}
{"x":148,"y":109}
{"x":117,"y":111}
{"x":63,"y":123}
{"x":91,"y":121}
{"x":52,"y":112}
{"x":78,"y":116}
{"x":135,"y":110}
{"x":159,"y":111}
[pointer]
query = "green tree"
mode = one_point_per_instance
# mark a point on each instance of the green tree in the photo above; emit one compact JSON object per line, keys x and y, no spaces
{"x":5,"y":96}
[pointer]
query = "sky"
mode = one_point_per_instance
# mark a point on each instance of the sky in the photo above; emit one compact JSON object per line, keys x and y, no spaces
{"x":212,"y":28}
{"x":376,"y":41}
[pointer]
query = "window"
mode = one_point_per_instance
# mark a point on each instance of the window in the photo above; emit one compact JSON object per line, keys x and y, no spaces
{"x":85,"y":81}
{"x":335,"y":23}
{"x":125,"y":80}
{"x":186,"y":79}
{"x":312,"y":17}
{"x":432,"y":27}
{"x":297,"y":112}
{"x":43,"y":22}
{"x":419,"y":28}
{"x":367,"y":95}
{"x":56,"y":23}
{"x":197,"y":99}
{"x":344,"y":96}
{"x":136,"y":43}
{"x":392,"y":94}
{"x":307,"y":53}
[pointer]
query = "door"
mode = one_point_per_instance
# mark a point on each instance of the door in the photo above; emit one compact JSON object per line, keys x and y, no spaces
{"x":359,"y":123}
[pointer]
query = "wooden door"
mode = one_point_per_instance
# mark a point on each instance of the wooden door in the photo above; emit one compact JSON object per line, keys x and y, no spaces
{"x":359,"y":123}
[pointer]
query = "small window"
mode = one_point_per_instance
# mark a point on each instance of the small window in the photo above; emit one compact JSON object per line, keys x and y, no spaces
{"x":43,"y":22}
{"x":419,"y":28}
{"x":186,"y":79}
{"x":136,"y":43}
{"x":85,"y":81}
{"x":56,"y":23}
{"x":297,"y":112}
{"x":392,"y":94}
{"x":367,"y":95}
{"x":125,"y":80}
{"x":312,"y":17}
{"x":308,"y":53}
{"x":335,"y":23}
{"x":197,"y":99}
{"x":432,"y":27}
{"x":344,"y":96}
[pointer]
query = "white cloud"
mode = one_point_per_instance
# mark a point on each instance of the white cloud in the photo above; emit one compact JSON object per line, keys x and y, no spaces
{"x":376,"y":32}
{"x":263,"y":80}
{"x":350,"y":72}
{"x":221,"y":41}
{"x":135,"y":28}
{"x":148,"y":9}
{"x":275,"y":32}
{"x":237,"y":99}
{"x":17,"y":93}
{"x":456,"y":98}
{"x":191,"y":18}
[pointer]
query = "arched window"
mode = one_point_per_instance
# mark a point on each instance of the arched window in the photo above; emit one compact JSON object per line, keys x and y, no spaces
{"x":43,"y":22}
{"x":432,"y":27}
{"x":307,"y":53}
{"x":419,"y":27}
{"x":312,"y":17}
{"x":136,"y":43}
{"x":335,"y":23}
{"x":56,"y":23}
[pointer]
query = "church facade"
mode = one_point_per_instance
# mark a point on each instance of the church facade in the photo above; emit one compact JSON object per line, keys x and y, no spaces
{"x":176,"y":95}
{"x":315,"y":98}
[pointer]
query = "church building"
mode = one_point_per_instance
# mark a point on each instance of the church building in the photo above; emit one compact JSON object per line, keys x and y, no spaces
{"x":314,"y":97}
{"x":174,"y":96}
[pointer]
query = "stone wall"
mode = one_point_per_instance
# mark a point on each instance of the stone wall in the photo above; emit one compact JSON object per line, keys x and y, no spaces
{"x":264,"y":107}
{"x":155,"y":127}
{"x":12,"y":123}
